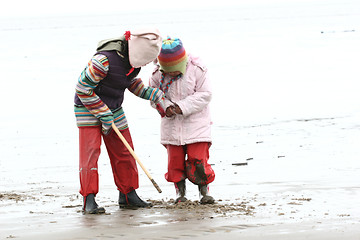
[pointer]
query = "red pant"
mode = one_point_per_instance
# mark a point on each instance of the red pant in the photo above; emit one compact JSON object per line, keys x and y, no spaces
{"x":195,"y":167}
{"x":123,"y":164}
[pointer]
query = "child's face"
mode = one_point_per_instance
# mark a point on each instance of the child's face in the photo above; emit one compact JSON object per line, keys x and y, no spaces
{"x":173,"y":74}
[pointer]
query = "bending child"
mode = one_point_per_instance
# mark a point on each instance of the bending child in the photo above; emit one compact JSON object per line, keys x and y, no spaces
{"x":98,"y":105}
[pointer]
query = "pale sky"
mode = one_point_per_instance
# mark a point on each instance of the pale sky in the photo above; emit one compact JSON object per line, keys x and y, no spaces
{"x":81,"y":7}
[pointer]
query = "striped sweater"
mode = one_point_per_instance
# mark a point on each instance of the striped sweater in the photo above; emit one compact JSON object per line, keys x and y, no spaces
{"x":94,"y":108}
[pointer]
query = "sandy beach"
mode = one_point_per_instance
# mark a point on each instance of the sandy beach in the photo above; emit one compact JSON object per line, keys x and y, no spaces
{"x":254,"y":201}
{"x":286,"y":125}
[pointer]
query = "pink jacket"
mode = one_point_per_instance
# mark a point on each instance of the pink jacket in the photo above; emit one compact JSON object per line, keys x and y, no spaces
{"x":192,"y":93}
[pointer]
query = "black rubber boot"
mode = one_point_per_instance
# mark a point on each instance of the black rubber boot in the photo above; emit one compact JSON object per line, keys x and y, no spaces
{"x":204,"y":192}
{"x":180,"y":191}
{"x":90,"y":206}
{"x":122,"y":199}
{"x":132,"y":200}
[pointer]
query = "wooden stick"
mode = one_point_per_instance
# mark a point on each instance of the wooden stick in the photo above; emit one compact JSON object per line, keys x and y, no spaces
{"x":136,"y":158}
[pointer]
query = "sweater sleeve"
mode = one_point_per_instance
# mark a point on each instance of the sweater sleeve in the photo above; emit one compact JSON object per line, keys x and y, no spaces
{"x":95,"y":71}
{"x":138,"y":88}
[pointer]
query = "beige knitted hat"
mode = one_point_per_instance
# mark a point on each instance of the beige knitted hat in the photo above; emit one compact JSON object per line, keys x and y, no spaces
{"x":144,"y":46}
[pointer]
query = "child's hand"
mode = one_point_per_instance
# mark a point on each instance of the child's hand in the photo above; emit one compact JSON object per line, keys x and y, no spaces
{"x":173,"y":110}
{"x":170,"y":111}
{"x":177,"y":109}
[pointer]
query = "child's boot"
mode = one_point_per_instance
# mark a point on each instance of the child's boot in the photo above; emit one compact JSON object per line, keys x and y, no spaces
{"x":90,"y":206}
{"x":132,"y":200}
{"x":204,"y":192}
{"x":180,"y":191}
{"x":122,"y":199}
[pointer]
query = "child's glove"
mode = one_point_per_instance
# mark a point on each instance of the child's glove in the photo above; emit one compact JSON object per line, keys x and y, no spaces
{"x":106,"y":124}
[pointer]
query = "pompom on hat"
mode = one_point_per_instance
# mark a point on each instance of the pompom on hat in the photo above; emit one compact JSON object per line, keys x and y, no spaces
{"x":144,"y":46}
{"x":172,"y":56}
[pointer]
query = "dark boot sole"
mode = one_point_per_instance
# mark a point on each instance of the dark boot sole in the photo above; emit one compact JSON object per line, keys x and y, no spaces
{"x":180,"y":199}
{"x":133,"y":207}
{"x":207,"y":200}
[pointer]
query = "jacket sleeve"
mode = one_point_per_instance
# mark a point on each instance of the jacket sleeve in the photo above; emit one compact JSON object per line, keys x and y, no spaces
{"x":94,"y":72}
{"x":197,"y":101}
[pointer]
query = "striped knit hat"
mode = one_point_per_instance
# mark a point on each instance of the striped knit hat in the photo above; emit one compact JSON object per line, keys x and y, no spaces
{"x":172,"y":56}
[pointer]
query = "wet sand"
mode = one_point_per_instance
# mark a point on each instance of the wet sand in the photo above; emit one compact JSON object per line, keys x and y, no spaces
{"x":266,"y":215}
{"x":306,"y":191}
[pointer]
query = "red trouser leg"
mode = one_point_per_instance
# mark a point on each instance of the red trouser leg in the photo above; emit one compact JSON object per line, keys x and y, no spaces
{"x":122,"y":162}
{"x":176,"y":163}
{"x":89,"y":151}
{"x":198,"y":170}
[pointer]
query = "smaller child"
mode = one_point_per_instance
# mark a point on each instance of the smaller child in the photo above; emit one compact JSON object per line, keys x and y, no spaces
{"x":185,"y":130}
